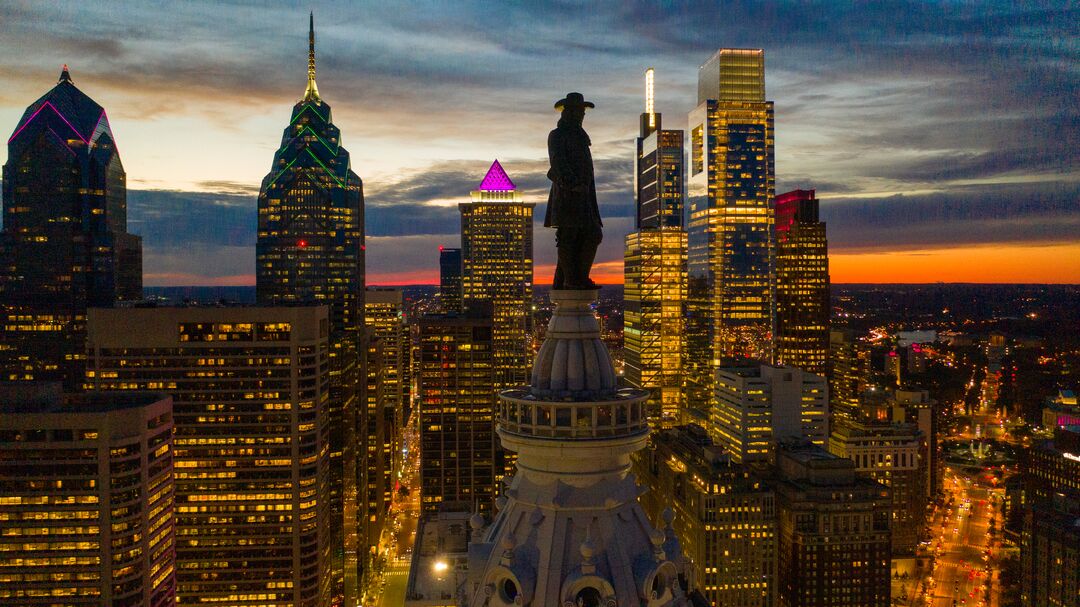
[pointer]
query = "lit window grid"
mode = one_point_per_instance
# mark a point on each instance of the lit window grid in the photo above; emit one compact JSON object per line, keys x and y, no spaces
{"x":729,"y":300}
{"x":654,"y":291}
{"x":249,"y":420}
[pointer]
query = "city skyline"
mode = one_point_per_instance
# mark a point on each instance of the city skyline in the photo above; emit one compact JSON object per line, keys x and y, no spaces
{"x":962,"y":170}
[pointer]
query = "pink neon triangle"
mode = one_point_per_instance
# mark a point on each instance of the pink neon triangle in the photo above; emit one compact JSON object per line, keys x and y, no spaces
{"x":496,"y":180}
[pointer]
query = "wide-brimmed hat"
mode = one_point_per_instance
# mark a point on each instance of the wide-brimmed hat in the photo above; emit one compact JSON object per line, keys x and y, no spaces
{"x":573,"y":100}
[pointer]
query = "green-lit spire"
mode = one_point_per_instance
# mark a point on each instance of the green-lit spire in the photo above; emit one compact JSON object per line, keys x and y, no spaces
{"x":312,"y":92}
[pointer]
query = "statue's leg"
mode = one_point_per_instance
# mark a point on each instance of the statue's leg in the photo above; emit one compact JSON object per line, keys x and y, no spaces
{"x":562,"y":249}
{"x":590,"y":242}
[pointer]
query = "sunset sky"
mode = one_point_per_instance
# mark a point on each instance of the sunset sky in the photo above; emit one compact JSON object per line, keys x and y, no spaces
{"x":943,"y":138}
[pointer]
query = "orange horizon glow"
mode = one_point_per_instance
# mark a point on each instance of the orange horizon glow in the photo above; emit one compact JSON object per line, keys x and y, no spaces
{"x":1005,"y":264}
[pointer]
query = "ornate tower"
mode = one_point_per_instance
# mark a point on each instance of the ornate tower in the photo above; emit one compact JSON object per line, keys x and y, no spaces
{"x":570,"y":531}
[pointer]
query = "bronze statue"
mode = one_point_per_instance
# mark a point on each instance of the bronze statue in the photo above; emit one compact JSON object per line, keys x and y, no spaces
{"x":572,"y":207}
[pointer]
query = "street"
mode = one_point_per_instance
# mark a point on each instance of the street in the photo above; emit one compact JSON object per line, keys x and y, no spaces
{"x":386,"y":587}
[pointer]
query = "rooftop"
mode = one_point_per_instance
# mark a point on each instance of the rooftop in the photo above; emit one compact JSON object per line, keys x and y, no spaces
{"x":48,"y":397}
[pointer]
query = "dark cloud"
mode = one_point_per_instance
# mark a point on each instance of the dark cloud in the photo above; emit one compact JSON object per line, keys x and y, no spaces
{"x":973,"y":215}
{"x":169,"y":220}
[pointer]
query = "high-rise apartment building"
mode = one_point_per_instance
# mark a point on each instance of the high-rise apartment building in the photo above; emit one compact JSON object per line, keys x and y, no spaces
{"x":86,"y":499}
{"x":655,"y":269}
{"x":849,"y":368}
{"x":456,"y":407}
{"x":833,"y":531}
{"x":724,"y":516}
{"x":497,"y":270}
{"x":384,"y":320}
{"x":729,"y":220}
{"x":450,"y":280}
{"x":801,"y":333}
{"x":310,"y":251}
{"x":1050,"y":541}
{"x":756,"y":406}
{"x":250,"y":392}
{"x":65,"y":245}
{"x":895,"y":456}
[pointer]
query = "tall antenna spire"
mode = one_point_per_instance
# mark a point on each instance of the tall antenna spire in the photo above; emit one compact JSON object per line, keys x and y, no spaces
{"x":312,"y":92}
{"x":650,"y":108}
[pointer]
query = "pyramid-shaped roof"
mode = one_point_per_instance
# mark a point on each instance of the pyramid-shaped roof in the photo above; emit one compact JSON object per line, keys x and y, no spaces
{"x":74,"y":108}
{"x":496,"y":180}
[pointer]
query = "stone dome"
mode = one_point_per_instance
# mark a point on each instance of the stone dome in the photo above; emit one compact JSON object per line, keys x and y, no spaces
{"x":573,"y":364}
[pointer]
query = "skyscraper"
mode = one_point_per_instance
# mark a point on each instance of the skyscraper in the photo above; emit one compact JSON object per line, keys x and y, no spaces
{"x":729,"y":220}
{"x":497,"y":270}
{"x":801,"y":337}
{"x":310,"y":250}
{"x":834,"y":531}
{"x":724,"y":515}
{"x":756,"y":406}
{"x":450,"y":280}
{"x":456,"y":411}
{"x":64,"y":245}
{"x":658,"y":175}
{"x":87,"y":498}
{"x":249,"y":388}
{"x":383,"y":318}
{"x":655,"y":269}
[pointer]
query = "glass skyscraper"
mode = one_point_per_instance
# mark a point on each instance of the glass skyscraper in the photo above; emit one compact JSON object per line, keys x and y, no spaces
{"x":310,"y":250}
{"x":729,"y":220}
{"x":450,"y":280}
{"x":655,"y":268}
{"x":497,"y":270}
{"x":801,"y":338}
{"x":65,"y":245}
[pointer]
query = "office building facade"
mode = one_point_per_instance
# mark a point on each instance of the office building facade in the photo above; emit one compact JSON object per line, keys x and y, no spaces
{"x":456,"y":407}
{"x":654,"y":275}
{"x":450,"y":280}
{"x":724,"y":515}
{"x":895,"y":456}
{"x":834,"y":534}
{"x":801,"y":336}
{"x":729,"y":220}
{"x":1050,"y":540}
{"x":64,"y":243}
{"x":87,"y":499}
{"x":497,"y":270}
{"x":849,"y":368}
{"x":310,"y":251}
{"x":250,"y":391}
{"x":756,"y":406}
{"x":384,"y":317}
